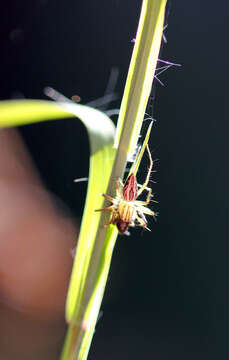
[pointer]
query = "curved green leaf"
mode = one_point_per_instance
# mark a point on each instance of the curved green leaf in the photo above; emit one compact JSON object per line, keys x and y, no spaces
{"x":101,"y":135}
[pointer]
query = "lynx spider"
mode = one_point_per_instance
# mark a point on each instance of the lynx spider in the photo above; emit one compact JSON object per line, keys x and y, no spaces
{"x":126,"y":210}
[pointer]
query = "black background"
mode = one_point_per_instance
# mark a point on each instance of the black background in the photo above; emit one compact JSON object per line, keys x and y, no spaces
{"x":167,"y":294}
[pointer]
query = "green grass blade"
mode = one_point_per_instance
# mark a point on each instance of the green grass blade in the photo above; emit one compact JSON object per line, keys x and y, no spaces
{"x":101,"y":162}
{"x":141,"y":74}
{"x":136,"y":94}
{"x":23,"y":112}
{"x":101,"y":136}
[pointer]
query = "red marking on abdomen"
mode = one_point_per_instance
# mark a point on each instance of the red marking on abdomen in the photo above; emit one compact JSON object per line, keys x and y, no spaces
{"x":130,"y":189}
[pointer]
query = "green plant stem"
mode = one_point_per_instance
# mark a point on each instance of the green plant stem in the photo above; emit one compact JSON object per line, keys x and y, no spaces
{"x":138,"y":86}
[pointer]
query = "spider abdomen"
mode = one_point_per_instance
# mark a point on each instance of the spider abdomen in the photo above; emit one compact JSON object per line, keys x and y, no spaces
{"x":130,"y":190}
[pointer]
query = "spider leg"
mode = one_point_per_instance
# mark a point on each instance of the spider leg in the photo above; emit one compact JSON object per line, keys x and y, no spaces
{"x":148,"y":197}
{"x":109,"y":208}
{"x":142,"y":216}
{"x":142,"y":221}
{"x":109,"y":198}
{"x":137,"y":202}
{"x":144,"y":210}
{"x":144,"y":186}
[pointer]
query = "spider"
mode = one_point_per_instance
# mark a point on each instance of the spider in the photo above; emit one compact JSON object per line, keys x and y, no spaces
{"x":126,"y":210}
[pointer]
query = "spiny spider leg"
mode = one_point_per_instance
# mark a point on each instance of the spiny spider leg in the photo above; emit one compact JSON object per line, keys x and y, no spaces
{"x":140,"y":202}
{"x":151,"y":195}
{"x":148,"y":197}
{"x":109,"y":198}
{"x":142,"y":216}
{"x":144,"y":186}
{"x":109,"y":208}
{"x":145,"y":210}
{"x":142,"y":222}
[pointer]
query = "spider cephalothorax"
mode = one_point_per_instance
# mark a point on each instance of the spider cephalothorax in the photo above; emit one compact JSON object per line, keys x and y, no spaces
{"x":126,"y":210}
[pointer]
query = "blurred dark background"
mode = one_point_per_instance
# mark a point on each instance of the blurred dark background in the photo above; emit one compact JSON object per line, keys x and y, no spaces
{"x":167,"y":294}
